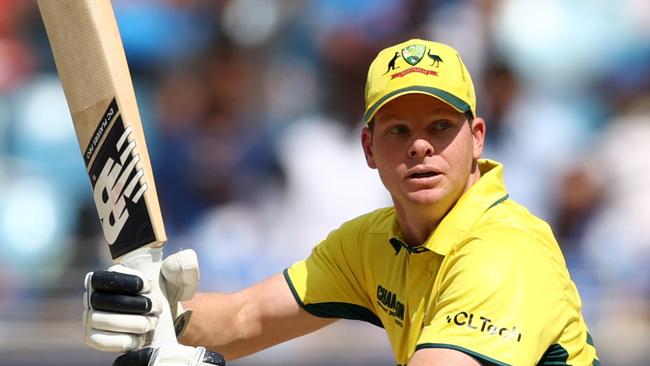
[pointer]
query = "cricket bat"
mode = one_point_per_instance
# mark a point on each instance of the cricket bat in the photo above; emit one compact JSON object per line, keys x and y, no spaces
{"x":92,"y":66}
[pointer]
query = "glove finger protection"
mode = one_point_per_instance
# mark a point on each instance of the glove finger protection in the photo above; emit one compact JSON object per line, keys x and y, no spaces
{"x":120,"y":310}
{"x":172,"y":355}
{"x":126,"y":323}
{"x":181,"y":273}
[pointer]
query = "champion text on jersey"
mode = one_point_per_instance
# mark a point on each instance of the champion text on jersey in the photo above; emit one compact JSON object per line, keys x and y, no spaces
{"x":387,"y":300}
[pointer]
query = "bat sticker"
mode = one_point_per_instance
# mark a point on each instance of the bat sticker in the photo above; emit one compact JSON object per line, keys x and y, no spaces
{"x":118,"y":185}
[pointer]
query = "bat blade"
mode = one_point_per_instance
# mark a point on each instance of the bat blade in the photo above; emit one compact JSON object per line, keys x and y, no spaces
{"x":94,"y":73}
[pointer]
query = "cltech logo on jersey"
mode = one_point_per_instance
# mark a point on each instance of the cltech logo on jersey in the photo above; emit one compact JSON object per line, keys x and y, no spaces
{"x":484,"y":325}
{"x":118,"y":184}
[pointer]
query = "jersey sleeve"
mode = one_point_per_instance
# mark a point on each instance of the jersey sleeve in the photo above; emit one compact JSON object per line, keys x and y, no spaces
{"x":500,"y":303}
{"x":330,"y":282}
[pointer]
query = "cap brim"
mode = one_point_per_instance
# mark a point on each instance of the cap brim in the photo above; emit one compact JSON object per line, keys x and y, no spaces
{"x":444,"y":96}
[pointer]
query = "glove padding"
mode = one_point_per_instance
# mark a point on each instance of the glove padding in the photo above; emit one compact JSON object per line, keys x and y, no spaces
{"x":172,"y":355}
{"x":120,"y":310}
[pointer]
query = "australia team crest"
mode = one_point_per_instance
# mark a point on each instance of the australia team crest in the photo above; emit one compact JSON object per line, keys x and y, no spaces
{"x":413,"y":53}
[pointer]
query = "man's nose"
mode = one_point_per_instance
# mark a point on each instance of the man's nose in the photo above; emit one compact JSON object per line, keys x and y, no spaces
{"x":420,"y":148}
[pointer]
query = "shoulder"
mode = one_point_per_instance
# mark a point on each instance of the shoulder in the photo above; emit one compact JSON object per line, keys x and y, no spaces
{"x":513,"y":274}
{"x":510,"y":246}
{"x":510,"y":230}
{"x":377,"y":222}
{"x":357,"y":235}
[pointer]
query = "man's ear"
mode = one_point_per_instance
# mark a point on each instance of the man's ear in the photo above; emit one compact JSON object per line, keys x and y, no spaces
{"x":478,"y":133}
{"x":366,"y":143}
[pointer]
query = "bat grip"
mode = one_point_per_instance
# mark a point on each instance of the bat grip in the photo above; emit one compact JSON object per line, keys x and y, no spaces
{"x":148,"y":260}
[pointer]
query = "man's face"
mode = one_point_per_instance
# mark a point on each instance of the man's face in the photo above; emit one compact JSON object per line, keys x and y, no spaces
{"x":425,"y":151}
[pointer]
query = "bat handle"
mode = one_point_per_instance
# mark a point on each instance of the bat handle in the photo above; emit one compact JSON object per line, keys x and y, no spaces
{"x":148,"y":260}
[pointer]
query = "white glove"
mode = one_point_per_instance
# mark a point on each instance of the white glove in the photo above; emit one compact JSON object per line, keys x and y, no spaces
{"x":170,"y":355}
{"x":120,"y":309}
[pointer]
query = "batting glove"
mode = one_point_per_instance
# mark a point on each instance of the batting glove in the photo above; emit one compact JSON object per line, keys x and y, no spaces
{"x":176,"y":355}
{"x":120,"y":309}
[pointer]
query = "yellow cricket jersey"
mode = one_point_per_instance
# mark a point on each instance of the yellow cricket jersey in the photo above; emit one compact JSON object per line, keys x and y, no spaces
{"x":490,"y":281}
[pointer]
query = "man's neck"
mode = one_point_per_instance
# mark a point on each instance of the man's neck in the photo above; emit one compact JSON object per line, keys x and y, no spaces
{"x":417,"y":223}
{"x":416,"y":229}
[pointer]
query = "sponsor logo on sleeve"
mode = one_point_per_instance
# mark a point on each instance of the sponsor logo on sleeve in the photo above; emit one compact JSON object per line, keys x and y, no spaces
{"x":484,"y":325}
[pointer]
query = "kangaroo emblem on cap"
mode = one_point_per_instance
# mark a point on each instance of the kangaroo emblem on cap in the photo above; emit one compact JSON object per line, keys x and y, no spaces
{"x":391,"y":63}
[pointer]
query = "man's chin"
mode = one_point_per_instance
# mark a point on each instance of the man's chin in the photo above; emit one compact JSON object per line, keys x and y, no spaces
{"x":431,"y":197}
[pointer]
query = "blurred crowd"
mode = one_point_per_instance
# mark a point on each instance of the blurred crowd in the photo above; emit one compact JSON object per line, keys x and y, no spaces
{"x":252,"y":111}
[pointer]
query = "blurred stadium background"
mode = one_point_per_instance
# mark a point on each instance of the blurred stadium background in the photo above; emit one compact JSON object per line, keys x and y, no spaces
{"x":252,"y":110}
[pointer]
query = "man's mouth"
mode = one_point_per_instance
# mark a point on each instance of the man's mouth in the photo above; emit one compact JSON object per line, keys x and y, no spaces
{"x":423,"y":175}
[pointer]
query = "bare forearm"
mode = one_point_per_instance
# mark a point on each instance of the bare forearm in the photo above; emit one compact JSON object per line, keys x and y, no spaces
{"x":258,"y":317}
{"x":217,"y":323}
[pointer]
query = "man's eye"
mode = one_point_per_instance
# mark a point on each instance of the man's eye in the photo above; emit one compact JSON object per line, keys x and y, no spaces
{"x":397,"y":130}
{"x":441,"y":125}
